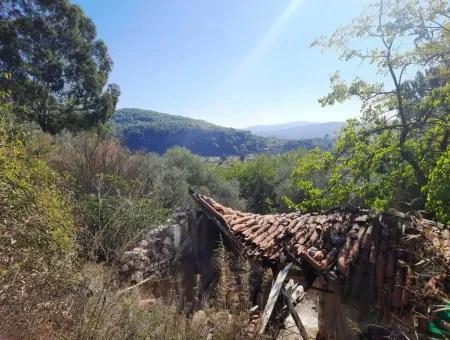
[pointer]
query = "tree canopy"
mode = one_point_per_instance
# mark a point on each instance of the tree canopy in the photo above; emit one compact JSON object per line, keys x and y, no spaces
{"x":59,"y":70}
{"x":388,"y":156}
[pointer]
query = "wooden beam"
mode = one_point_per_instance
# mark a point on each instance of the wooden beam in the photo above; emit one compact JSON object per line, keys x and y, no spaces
{"x":294,"y":313}
{"x":274,"y":292}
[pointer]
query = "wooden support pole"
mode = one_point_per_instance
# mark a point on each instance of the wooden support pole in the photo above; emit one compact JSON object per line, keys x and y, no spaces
{"x":274,"y":292}
{"x":294,"y":314}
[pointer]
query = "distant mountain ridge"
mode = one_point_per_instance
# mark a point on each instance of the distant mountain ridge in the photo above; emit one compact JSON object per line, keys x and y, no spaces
{"x":153,"y":131}
{"x":298,"y":130}
{"x":269,"y":127}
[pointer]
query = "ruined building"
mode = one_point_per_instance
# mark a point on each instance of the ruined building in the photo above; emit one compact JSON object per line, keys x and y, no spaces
{"x":377,"y":275}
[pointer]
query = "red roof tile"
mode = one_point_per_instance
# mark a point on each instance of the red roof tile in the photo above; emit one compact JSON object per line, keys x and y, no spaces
{"x":314,"y":237}
{"x":345,"y":241}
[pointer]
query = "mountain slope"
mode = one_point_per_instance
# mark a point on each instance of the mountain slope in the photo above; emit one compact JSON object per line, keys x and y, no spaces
{"x":154,"y":131}
{"x":298,"y":130}
{"x":272,"y":127}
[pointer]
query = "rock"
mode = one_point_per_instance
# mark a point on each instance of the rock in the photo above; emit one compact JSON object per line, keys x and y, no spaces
{"x":446,"y":234}
{"x":297,"y":293}
{"x":143,"y":244}
{"x":137,"y":276}
{"x":436,"y":242}
{"x":157,"y":250}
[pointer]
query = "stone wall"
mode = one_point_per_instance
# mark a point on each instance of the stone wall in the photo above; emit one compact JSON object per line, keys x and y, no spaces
{"x":159,"y":250}
{"x":175,"y":255}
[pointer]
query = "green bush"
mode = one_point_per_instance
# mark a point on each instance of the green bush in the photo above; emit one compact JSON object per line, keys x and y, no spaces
{"x":200,"y":176}
{"x":112,"y":222}
{"x":263,"y":181}
{"x":36,"y":233}
{"x":438,"y":189}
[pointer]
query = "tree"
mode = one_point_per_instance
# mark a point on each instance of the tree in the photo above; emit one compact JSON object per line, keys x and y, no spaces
{"x":264,"y":181}
{"x":59,"y":69}
{"x":438,"y":189}
{"x":386,"y":156}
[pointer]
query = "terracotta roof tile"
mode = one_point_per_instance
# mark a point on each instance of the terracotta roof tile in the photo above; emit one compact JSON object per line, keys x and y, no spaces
{"x":347,"y":241}
{"x":264,"y":236}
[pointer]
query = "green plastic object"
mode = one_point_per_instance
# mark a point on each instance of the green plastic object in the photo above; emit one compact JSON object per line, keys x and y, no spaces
{"x":437,"y":327}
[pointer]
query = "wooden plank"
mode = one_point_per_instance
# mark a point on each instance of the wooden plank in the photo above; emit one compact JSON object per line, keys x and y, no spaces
{"x":273,"y":295}
{"x":294,"y":314}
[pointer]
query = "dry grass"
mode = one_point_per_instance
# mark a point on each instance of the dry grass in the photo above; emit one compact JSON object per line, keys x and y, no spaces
{"x":94,"y":309}
{"x":104,"y":314}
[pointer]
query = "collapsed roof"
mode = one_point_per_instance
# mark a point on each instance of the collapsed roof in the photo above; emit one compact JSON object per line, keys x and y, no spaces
{"x":406,"y":260}
{"x":325,"y":237}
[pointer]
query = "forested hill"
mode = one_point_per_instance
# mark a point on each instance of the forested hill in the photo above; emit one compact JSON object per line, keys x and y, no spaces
{"x":154,"y":131}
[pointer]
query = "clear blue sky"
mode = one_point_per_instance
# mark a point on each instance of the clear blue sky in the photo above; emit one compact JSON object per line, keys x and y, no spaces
{"x":231,"y":62}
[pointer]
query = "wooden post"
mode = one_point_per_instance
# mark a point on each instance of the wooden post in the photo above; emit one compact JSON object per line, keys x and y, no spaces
{"x":274,"y":292}
{"x":294,"y":314}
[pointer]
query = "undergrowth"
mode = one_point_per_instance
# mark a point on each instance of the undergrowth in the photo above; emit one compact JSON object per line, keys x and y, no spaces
{"x":56,"y":232}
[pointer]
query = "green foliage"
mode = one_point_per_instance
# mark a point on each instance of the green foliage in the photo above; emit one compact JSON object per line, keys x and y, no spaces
{"x":200,"y":176}
{"x":263,"y":180}
{"x":113,"y":221}
{"x":387,"y":157}
{"x":5,"y":93}
{"x":58,"y":69}
{"x":256,"y":180}
{"x":359,"y":170}
{"x":158,"y":132}
{"x":438,"y":189}
{"x":122,"y":194}
{"x":406,"y":36}
{"x":87,"y":156}
{"x":36,"y":232}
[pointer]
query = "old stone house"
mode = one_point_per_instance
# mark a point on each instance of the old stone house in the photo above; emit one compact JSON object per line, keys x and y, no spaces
{"x":377,"y":275}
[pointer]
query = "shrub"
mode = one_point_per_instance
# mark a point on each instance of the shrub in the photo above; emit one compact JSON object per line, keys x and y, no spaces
{"x":113,"y":221}
{"x":101,"y":311}
{"x":263,"y":181}
{"x":86,"y":155}
{"x":438,"y":189}
{"x":200,"y":176}
{"x":36,"y":235}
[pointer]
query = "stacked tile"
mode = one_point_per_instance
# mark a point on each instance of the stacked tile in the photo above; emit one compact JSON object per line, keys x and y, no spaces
{"x":347,"y":242}
{"x":316,"y":238}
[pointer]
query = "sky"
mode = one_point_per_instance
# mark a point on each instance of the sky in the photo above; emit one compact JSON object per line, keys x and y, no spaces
{"x":234,"y":63}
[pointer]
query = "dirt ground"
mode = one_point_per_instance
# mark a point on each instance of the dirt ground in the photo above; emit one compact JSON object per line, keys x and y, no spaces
{"x":308,"y":312}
